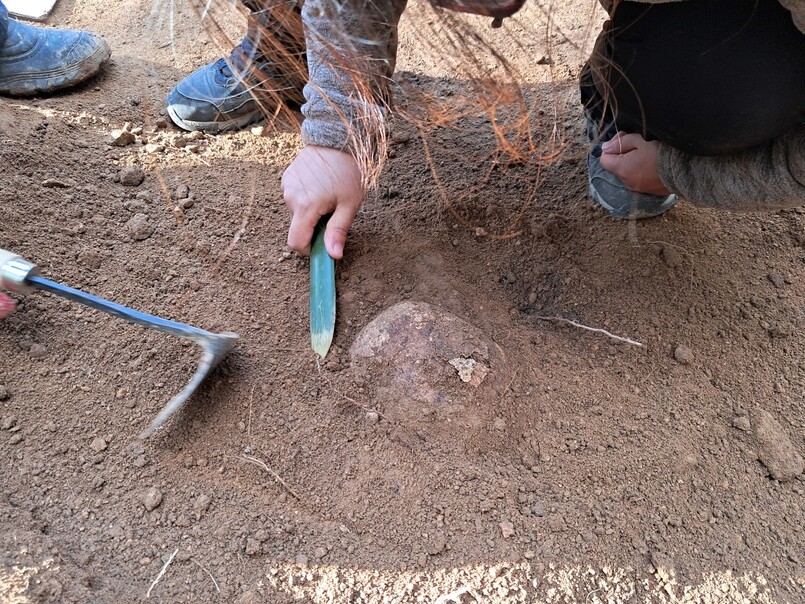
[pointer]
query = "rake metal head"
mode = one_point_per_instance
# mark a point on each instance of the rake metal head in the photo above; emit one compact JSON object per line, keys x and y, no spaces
{"x":215,"y":346}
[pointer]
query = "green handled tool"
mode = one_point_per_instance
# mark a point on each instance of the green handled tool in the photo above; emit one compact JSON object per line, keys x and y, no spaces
{"x":322,"y":292}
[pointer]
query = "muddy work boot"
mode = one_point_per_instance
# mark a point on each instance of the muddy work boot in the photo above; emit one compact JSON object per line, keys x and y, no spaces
{"x":266,"y":70}
{"x":35,"y":60}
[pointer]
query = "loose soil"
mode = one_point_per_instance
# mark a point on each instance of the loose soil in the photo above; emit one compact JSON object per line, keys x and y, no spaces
{"x":584,"y":469}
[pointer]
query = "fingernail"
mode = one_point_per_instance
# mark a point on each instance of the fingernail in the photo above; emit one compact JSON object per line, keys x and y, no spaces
{"x":607,"y":147}
{"x":338,"y":249}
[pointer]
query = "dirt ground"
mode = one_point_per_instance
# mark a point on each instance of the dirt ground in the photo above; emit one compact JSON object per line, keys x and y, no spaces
{"x":582,"y":469}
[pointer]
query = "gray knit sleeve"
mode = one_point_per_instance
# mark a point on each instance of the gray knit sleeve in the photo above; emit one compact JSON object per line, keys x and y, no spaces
{"x":797,"y":8}
{"x":351,"y":50}
{"x":770,"y":176}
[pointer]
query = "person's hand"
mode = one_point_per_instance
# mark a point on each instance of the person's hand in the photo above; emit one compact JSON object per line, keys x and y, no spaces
{"x":6,"y":306}
{"x":634,"y":161}
{"x":321,"y":181}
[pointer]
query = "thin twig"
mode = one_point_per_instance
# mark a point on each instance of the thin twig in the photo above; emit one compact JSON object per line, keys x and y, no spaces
{"x":595,"y":329}
{"x":214,"y":582}
{"x":277,"y":477}
{"x":456,"y":595}
{"x":161,"y":573}
{"x":251,"y":400}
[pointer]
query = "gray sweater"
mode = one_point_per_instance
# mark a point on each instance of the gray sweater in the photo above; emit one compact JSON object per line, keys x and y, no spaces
{"x":352,"y":46}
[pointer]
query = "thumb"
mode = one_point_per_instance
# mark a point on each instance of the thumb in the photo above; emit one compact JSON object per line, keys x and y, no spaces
{"x":337,"y":228}
{"x":622,"y":143}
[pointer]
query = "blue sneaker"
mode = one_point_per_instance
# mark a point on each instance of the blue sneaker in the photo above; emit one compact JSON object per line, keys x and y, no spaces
{"x":35,"y":60}
{"x":608,"y":191}
{"x":225,"y":95}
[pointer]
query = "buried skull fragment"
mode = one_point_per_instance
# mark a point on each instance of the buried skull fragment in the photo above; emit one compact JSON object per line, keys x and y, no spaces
{"x":430,"y":368}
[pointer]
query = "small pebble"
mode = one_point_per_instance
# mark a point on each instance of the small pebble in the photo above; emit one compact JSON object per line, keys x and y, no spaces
{"x":372,"y":417}
{"x":181,"y":192}
{"x":122,"y":138}
{"x":683,"y":355}
{"x":4,"y":393}
{"x":135,"y":206}
{"x":16,"y":439}
{"x":253,"y":547}
{"x":132,"y":176}
{"x":98,"y":444}
{"x":777,"y":280}
{"x":55,"y":183}
{"x":400,"y":137}
{"x":320,"y":552}
{"x":151,"y":498}
{"x":775,"y":448}
{"x":506,"y":529}
{"x":139,"y":228}
{"x":742,"y":423}
{"x":202,"y":504}
{"x":437,"y":546}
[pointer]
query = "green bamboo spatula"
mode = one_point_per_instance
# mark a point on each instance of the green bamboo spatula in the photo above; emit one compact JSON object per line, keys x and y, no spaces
{"x":322,"y":292}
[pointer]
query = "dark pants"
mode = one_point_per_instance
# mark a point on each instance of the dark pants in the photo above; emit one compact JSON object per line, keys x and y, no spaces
{"x":275,"y":26}
{"x":708,"y":77}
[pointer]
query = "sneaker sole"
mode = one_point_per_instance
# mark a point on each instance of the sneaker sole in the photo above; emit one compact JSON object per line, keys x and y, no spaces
{"x":215,"y":127}
{"x":619,"y":214}
{"x":57,"y":79}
